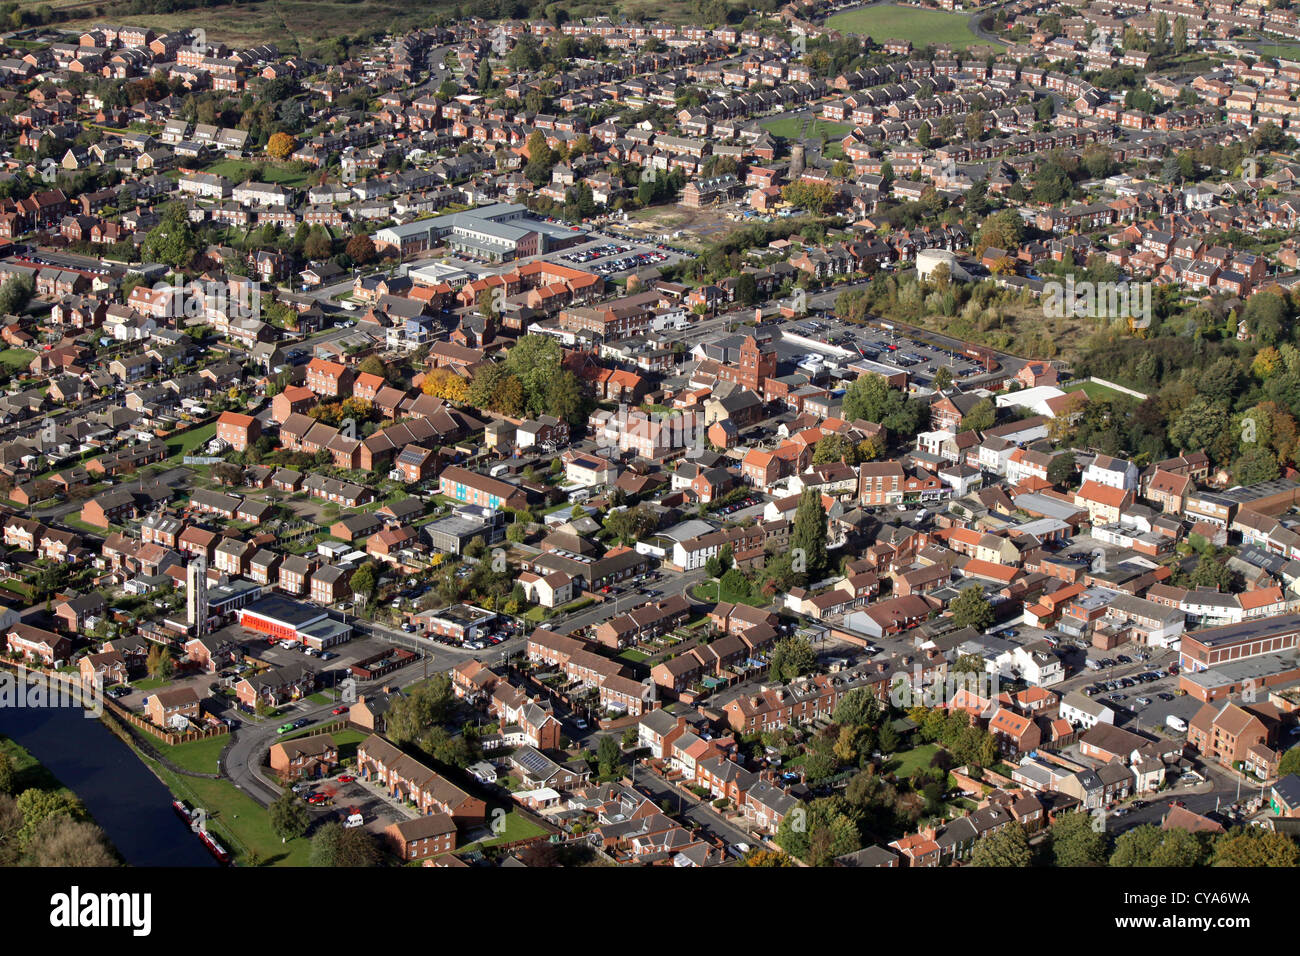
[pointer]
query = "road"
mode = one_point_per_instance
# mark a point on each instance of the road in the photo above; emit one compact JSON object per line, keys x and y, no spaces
{"x":697,"y":811}
{"x":250,"y":739}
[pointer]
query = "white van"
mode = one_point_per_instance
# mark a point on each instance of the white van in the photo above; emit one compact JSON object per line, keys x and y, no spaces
{"x":1174,"y":722}
{"x":498,"y":470}
{"x":355,"y":819}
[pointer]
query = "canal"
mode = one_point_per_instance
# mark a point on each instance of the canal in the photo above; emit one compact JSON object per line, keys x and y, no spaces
{"x":125,"y":798}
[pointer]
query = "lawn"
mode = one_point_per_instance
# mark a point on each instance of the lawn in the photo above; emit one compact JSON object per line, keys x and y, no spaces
{"x":633,"y":656}
{"x":16,"y":359}
{"x":235,"y":818}
{"x":150,"y":683}
{"x":239,"y":170}
{"x":197,"y":755}
{"x":1097,"y":390}
{"x":517,"y":827}
{"x":910,"y":761}
{"x":794,"y":128}
{"x":715,"y":591}
{"x":184,"y":443}
{"x":921,"y":27}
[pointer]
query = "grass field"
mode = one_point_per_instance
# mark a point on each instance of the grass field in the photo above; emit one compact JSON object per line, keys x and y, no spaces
{"x":920,"y":27}
{"x":909,"y":762}
{"x":197,"y":755}
{"x":1096,"y":390}
{"x":790,"y":128}
{"x":239,"y":170}
{"x":714,"y":591}
{"x":187,"y":443}
{"x":16,"y":359}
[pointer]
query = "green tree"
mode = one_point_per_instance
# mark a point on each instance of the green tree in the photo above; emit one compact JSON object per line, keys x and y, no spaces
{"x":1150,"y":845}
{"x":159,"y":663}
{"x":1061,"y":470}
{"x":608,"y":756}
{"x":335,"y":845}
{"x":972,"y":609}
{"x":792,"y":657}
{"x":363,"y":581}
{"x":8,"y":773}
{"x":1254,"y":846}
{"x":16,"y":292}
{"x":1007,"y":846}
{"x":1074,"y":842}
{"x":808,"y":536}
{"x":289,"y":816}
{"x":982,"y":416}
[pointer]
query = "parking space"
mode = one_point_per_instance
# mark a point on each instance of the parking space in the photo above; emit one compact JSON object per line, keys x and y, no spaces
{"x":340,"y":796}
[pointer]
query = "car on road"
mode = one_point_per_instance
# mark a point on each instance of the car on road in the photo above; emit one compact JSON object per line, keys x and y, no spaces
{"x":346,"y":778}
{"x":580,"y":723}
{"x":285,"y":728}
{"x":339,"y":710}
{"x":302,"y":722}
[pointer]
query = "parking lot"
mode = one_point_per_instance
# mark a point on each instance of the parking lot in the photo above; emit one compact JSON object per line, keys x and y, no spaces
{"x":611,"y":257}
{"x":921,"y":361}
{"x":338,"y":796}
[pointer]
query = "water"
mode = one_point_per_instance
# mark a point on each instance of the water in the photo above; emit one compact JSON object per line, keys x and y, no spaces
{"x":124,"y":797}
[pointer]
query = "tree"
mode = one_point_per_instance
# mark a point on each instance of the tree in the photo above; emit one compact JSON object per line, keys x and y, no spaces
{"x":159,"y":663}
{"x":62,"y":841}
{"x":1289,"y":764}
{"x":15,"y":294}
{"x":608,"y":756}
{"x":8,"y":773}
{"x":1005,"y":847}
{"x":37,"y":806}
{"x":373,"y":365}
{"x":1062,"y":469}
{"x":1074,"y":842}
{"x":361,"y":249}
{"x":289,"y":816}
{"x":808,"y":536}
{"x":792,"y":657}
{"x":1150,"y":845}
{"x":335,"y":845}
{"x":172,"y":241}
{"x":1254,"y":846}
{"x":280,"y":146}
{"x":981,"y":417}
{"x":972,"y":609}
{"x":363,"y":581}
{"x":942,"y":378}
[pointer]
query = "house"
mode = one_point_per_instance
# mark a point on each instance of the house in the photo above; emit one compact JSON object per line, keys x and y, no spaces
{"x":304,"y":757}
{"x":422,"y":838}
{"x":175,"y":707}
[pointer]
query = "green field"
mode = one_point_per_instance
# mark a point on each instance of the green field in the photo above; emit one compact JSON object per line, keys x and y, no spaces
{"x":15,"y":360}
{"x":239,"y":170}
{"x":199,"y":756}
{"x":188,"y":442}
{"x":910,"y":761}
{"x":920,"y":27}
{"x":790,"y":128}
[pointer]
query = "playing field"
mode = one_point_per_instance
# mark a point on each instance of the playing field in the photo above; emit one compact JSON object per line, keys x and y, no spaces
{"x":789,"y":128}
{"x":922,"y":27}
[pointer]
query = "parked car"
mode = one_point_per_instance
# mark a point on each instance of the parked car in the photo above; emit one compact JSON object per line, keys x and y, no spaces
{"x":318,"y":798}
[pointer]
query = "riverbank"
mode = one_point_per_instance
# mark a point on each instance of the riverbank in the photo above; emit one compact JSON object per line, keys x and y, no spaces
{"x":30,"y":774}
{"x":237,"y":821}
